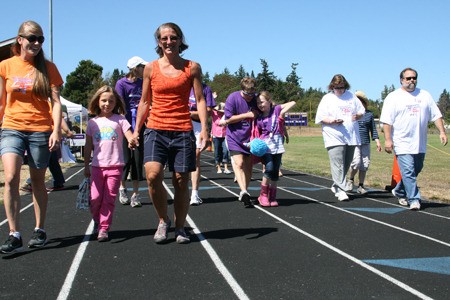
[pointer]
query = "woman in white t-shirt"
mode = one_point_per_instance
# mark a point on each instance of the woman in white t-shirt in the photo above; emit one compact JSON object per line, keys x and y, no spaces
{"x":338,"y":113}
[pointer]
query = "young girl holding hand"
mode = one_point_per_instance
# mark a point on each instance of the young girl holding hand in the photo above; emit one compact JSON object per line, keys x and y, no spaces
{"x":270,"y":125}
{"x":104,"y":135}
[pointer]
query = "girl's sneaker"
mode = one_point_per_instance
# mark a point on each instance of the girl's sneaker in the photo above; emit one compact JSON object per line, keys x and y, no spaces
{"x":102,"y":236}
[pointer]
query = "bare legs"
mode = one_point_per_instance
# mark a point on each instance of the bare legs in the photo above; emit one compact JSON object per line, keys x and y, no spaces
{"x":158,"y":194}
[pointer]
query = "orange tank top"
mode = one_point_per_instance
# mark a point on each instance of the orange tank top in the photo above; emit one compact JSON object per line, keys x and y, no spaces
{"x":170,"y":100}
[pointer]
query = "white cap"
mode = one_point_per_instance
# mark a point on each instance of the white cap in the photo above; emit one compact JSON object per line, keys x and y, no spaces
{"x":135,"y":61}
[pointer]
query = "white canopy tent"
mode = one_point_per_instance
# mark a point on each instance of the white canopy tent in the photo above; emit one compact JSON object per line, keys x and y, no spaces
{"x":76,"y":112}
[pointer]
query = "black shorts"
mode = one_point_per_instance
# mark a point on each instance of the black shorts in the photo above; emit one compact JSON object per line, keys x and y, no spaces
{"x":175,"y":148}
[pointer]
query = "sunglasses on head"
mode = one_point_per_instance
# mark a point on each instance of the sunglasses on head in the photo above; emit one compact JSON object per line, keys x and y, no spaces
{"x":33,"y":38}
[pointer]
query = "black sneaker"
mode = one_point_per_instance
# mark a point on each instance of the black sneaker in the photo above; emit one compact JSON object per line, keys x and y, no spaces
{"x":246,"y":200}
{"x":38,"y":239}
{"x":12,"y":245}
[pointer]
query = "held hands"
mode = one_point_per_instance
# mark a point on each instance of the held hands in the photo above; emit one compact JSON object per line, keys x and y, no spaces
{"x":223,"y":122}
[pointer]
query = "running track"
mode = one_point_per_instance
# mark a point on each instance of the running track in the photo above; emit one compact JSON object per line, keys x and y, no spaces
{"x":311,"y":247}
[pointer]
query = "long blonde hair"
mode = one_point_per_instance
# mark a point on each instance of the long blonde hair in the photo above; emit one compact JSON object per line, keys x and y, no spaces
{"x":41,"y":85}
{"x":94,"y":107}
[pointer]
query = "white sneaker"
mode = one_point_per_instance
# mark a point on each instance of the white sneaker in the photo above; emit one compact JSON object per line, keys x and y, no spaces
{"x":349,"y":186}
{"x":123,"y":198}
{"x":342,"y":196}
{"x":219,"y":171}
{"x":401,"y":201}
{"x":134,"y":202}
{"x":415,"y":205}
{"x":227,"y":171}
{"x":196,"y":201}
{"x":333,"y":189}
{"x":361,"y":190}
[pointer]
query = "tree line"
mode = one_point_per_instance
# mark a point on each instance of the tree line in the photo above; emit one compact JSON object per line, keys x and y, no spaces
{"x":82,"y":83}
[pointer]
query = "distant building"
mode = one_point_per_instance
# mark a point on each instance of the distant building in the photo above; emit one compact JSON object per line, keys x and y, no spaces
{"x":5,"y":48}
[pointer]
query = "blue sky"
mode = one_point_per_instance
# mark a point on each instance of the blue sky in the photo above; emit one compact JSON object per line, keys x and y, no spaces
{"x":369,"y":42}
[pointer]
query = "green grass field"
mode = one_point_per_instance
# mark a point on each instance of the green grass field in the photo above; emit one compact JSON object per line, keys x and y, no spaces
{"x":307,"y":154}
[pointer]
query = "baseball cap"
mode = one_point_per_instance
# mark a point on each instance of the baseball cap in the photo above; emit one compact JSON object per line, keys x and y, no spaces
{"x":135,"y":61}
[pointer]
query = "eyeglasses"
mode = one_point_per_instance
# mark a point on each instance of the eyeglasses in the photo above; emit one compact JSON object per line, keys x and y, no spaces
{"x":249,"y":94}
{"x":172,"y":38}
{"x":339,"y":88}
{"x":409,"y":78}
{"x":33,"y":38}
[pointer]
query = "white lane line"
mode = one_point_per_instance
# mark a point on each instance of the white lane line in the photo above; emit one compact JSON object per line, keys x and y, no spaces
{"x":334,"y":249}
{"x":352,"y":258}
{"x":31,"y":204}
{"x":368,"y":198}
{"x":67,"y":286}
{"x":239,"y":292}
{"x":367,"y":218}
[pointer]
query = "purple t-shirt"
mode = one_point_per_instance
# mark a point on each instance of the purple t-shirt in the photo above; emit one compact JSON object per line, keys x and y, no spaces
{"x":269,"y":124}
{"x":131,"y":94}
{"x":240,"y":132}
{"x":207,"y":93}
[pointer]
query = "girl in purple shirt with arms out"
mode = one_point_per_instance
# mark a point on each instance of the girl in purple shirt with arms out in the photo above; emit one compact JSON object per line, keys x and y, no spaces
{"x":270,"y":125}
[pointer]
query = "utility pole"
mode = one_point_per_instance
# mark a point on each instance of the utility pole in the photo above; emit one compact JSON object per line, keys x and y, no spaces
{"x":50,"y":8}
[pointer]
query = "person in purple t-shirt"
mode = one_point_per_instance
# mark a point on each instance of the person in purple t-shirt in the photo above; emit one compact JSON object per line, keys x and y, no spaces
{"x":197,"y":127}
{"x":270,"y":125}
{"x":130,"y":89}
{"x":240,"y":110}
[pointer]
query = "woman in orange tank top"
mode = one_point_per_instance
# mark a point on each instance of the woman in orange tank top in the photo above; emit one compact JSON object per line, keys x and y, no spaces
{"x":168,"y":138}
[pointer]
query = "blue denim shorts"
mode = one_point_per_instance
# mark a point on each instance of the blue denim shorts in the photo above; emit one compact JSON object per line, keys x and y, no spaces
{"x":176,"y":148}
{"x":34,"y":143}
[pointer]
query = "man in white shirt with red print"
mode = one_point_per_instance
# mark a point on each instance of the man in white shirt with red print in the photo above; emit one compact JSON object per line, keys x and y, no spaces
{"x":405,"y":116}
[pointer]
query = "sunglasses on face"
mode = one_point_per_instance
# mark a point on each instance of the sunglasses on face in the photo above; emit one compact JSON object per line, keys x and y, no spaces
{"x":339,"y":88}
{"x":409,"y":78}
{"x":166,"y":38}
{"x":249,"y":94}
{"x":33,"y":38}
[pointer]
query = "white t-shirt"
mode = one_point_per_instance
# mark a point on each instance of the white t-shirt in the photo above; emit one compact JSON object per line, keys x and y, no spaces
{"x":343,"y":107}
{"x":409,"y":115}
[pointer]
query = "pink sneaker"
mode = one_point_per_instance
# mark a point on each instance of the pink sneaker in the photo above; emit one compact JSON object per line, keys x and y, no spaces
{"x":102,"y":236}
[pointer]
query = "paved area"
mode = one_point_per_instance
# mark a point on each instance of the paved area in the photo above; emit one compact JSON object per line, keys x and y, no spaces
{"x":310,"y":247}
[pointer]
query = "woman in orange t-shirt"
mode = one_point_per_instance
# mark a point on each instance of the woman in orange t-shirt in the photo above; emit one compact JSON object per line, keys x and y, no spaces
{"x":30,"y":112}
{"x":168,"y":137}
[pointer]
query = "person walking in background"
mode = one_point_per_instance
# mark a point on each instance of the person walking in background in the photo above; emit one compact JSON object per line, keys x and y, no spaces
{"x":130,"y":89}
{"x":221,"y":153}
{"x":31,"y":123}
{"x":240,"y":110}
{"x":104,"y":136}
{"x":405,"y":116}
{"x":169,"y":138}
{"x":196,"y":125}
{"x":361,"y":157}
{"x":338,"y":113}
{"x":270,"y":125}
